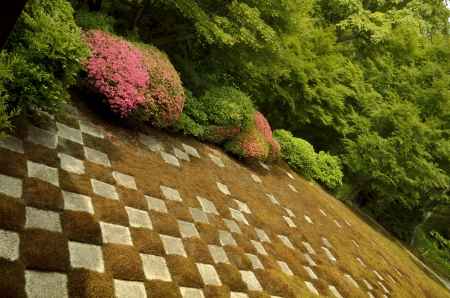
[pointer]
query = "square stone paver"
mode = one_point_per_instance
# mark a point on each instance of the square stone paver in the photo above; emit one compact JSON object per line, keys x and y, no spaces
{"x":311,"y":273}
{"x":216,"y":160}
{"x":250,"y":279}
{"x":97,"y":157}
{"x":289,"y":212}
{"x":370,"y":295}
{"x":11,"y":186}
{"x":77,"y":202}
{"x":361,"y":262}
{"x":42,"y":219}
{"x":329,"y":255}
{"x":337,"y":224}
{"x":272,"y":199}
{"x":226,"y":238}
{"x":43,"y":172}
{"x":326,"y":242}
{"x":218,"y":254}
{"x":289,"y":222}
{"x":151,"y":143}
{"x":243,"y":207}
{"x":223,"y":188}
{"x":86,"y":256}
{"x":71,"y":164}
{"x":173,"y":245}
{"x":238,"y":216}
{"x":259,"y":247}
{"x":198,"y":215}
{"x":112,"y":233}
{"x":262,"y":235}
{"x":207,"y":205}
{"x":286,"y":241}
{"x":12,"y":144}
{"x":129,"y":289}
{"x":355,"y":243}
{"x":378,"y":275}
{"x":367,"y":284}
{"x":256,"y":178}
{"x":155,"y":267}
{"x":238,"y":295}
{"x":170,"y":193}
{"x":156,"y":204}
{"x":266,"y":167}
{"x":292,"y":187}
{"x":256,"y":263}
{"x":138,"y":218}
{"x":285,"y":268}
{"x":105,"y":190}
{"x":383,"y":287}
{"x":209,"y":274}
{"x":45,"y":284}
{"x":69,"y":133}
{"x":90,"y":129}
{"x":191,"y":150}
{"x":308,"y":219}
{"x":309,"y":248}
{"x":9,"y":245}
{"x":124,"y":180}
{"x":290,"y":175}
{"x":309,"y":260}
{"x":187,"y":229}
{"x":311,"y":288}
{"x":232,"y":226}
{"x":351,"y":280}
{"x":170,"y":159}
{"x":191,"y":293}
{"x":181,"y":154}
{"x":42,"y":137}
{"x":335,"y":292}
{"x":323,"y":212}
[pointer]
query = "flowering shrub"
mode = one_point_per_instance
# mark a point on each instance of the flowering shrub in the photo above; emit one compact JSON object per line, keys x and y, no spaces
{"x":116,"y":70}
{"x":249,"y":144}
{"x":164,"y":98}
{"x":263,"y":126}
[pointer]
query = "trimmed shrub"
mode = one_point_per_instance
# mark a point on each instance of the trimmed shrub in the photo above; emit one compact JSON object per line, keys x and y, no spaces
{"x":116,"y":70}
{"x":5,"y":75}
{"x":165,"y":97}
{"x":263,"y":126}
{"x":249,"y":144}
{"x":300,"y":156}
{"x":45,"y":50}
{"x":90,"y":20}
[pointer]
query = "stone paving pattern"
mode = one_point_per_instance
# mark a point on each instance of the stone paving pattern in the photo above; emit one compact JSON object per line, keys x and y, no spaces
{"x":72,"y":224}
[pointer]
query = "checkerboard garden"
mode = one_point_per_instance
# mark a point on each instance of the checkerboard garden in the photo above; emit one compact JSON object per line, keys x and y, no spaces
{"x":94,"y":210}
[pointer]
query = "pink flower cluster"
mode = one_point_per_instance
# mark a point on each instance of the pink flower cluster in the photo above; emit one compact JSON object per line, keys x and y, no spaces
{"x":116,"y":70}
{"x":253,"y":145}
{"x":263,"y":126}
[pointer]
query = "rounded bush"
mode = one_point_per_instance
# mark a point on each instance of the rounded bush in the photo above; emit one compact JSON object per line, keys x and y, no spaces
{"x":249,"y":144}
{"x":329,"y":170}
{"x":117,"y":71}
{"x":263,"y":126}
{"x":165,"y":97}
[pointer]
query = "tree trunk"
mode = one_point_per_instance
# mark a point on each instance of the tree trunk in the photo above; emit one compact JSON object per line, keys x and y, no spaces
{"x":9,"y":14}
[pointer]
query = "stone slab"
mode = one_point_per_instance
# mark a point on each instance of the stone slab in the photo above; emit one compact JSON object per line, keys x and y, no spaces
{"x":285,"y":268}
{"x":256,"y":178}
{"x":151,"y":143}
{"x":243,"y":207}
{"x":262,"y":235}
{"x":308,"y":219}
{"x":251,"y":281}
{"x":86,"y":256}
{"x":129,"y":289}
{"x":351,"y":280}
{"x":259,"y":247}
{"x":289,"y":222}
{"x":209,"y":274}
{"x":191,"y":150}
{"x":45,"y":284}
{"x":125,"y":180}
{"x":256,"y":263}
{"x":207,"y":205}
{"x":42,"y":137}
{"x":238,"y":216}
{"x":286,"y":241}
{"x":156,"y":204}
{"x":218,"y":254}
{"x":329,"y":255}
{"x":181,"y":154}
{"x":310,"y":272}
{"x":225,"y":238}
{"x":116,"y":234}
{"x":173,"y":245}
{"x":309,"y":248}
{"x":311,"y":288}
{"x":216,"y":160}
{"x":43,"y":172}
{"x":105,"y":190}
{"x":273,"y":199}
{"x":155,"y":268}
{"x":11,"y":186}
{"x":232,"y":226}
{"x":139,"y":218}
{"x":97,"y":157}
{"x":77,"y":202}
{"x":199,"y":216}
{"x":187,"y":229}
{"x":71,"y":164}
{"x":12,"y":144}
{"x":170,"y":159}
{"x":170,"y":193}
{"x":42,"y":219}
{"x":292,"y":187}
{"x":223,"y":188}
{"x":191,"y":293}
{"x":335,"y":291}
{"x":69,"y":133}
{"x":90,"y":129}
{"x":9,"y":245}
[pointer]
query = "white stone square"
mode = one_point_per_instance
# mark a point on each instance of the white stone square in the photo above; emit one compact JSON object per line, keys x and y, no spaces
{"x":207,"y":205}
{"x":250,"y":279}
{"x":337,"y":224}
{"x":329,"y":255}
{"x":187,"y":229}
{"x":311,"y":288}
{"x":155,"y":268}
{"x":191,"y":293}
{"x":42,"y":137}
{"x":238,"y":295}
{"x":292,"y":187}
{"x":308,"y":219}
{"x":378,"y":275}
{"x":11,"y":186}
{"x":156,"y":204}
{"x":223,"y":188}
{"x":43,"y":172}
{"x":309,"y":260}
{"x":311,"y":273}
{"x":151,"y":143}
{"x":326,"y":242}
{"x":105,"y":190}
{"x":243,"y":207}
{"x":170,"y":193}
{"x":124,"y":180}
{"x":225,"y":238}
{"x":335,"y":292}
{"x":262,"y":235}
{"x":232,"y":226}
{"x":216,"y":160}
{"x":266,"y":167}
{"x":218,"y":254}
{"x":259,"y":247}
{"x":199,"y":216}
{"x":173,"y":245}
{"x":289,"y":212}
{"x":361,"y":262}
{"x":272,"y":199}
{"x":138,"y":218}
{"x":181,"y":154}
{"x":9,"y":245}
{"x":289,"y":222}
{"x":12,"y":144}
{"x":286,"y":241}
{"x":209,"y":274}
{"x":42,"y":219}
{"x":309,"y":248}
{"x":170,"y":159}
{"x":90,"y":129}
{"x":40,"y":284}
{"x":112,"y":233}
{"x":367,"y":284}
{"x":238,"y":216}
{"x":86,"y":256}
{"x":285,"y":268}
{"x":351,"y":280}
{"x":256,"y":178}
{"x":77,"y":202}
{"x":97,"y":157}
{"x":323,"y":212}
{"x":129,"y":289}
{"x":191,"y":150}
{"x":69,"y":133}
{"x":256,"y":263}
{"x":71,"y":164}
{"x":290,"y":175}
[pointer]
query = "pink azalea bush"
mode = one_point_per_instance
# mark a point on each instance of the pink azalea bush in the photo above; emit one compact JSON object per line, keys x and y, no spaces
{"x":263,"y":126}
{"x":116,"y":70}
{"x":165,"y":97}
{"x":249,"y":144}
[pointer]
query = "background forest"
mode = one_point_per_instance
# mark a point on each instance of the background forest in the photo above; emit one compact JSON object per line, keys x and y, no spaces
{"x":367,"y":81}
